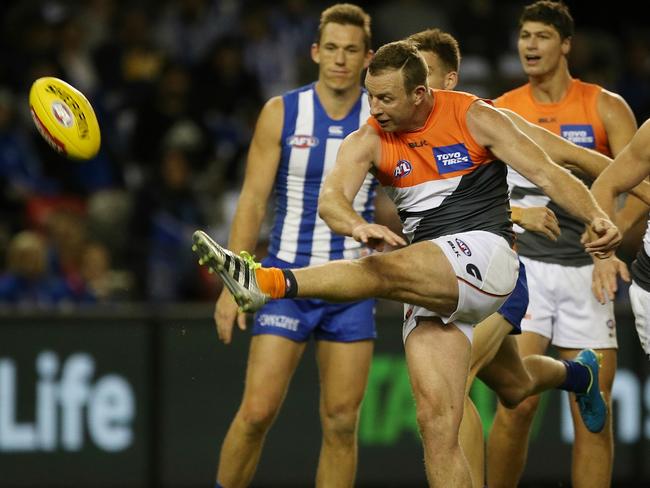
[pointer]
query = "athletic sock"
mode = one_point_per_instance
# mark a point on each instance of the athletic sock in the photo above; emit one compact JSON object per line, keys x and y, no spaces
{"x":578,"y":377}
{"x":271,"y":281}
{"x":276,"y":282}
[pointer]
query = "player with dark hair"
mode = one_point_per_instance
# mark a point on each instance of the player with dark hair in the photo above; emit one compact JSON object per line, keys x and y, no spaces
{"x":495,"y":358}
{"x":562,"y":310}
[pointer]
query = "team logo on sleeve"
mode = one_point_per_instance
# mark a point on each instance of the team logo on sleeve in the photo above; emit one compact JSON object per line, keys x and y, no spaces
{"x":452,"y":158}
{"x":302,"y":142}
{"x":582,"y":135}
{"x":402,"y":168}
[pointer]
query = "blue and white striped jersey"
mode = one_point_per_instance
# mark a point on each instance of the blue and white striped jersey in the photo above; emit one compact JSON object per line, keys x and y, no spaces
{"x":310,"y":142}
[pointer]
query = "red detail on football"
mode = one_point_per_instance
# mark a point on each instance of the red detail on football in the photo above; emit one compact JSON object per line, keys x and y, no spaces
{"x":52,"y":141}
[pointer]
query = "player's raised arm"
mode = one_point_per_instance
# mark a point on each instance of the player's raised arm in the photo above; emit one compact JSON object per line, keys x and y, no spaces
{"x":494,"y":130}
{"x":355,"y":159}
{"x":577,"y":159}
{"x":630,"y":168}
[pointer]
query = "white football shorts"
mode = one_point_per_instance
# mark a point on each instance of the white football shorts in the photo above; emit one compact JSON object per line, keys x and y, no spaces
{"x":486,"y":269}
{"x":640,"y":300}
{"x":563,"y":308}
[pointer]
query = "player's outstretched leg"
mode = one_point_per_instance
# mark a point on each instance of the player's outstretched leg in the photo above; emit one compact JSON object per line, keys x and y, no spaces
{"x":237,"y":272}
{"x":591,"y":404}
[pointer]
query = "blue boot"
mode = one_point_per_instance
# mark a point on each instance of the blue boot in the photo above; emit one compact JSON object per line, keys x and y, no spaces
{"x":593,"y":409}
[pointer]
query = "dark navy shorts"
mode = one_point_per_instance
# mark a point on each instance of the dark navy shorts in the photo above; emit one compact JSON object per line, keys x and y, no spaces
{"x":298,"y":319}
{"x":514,"y":308}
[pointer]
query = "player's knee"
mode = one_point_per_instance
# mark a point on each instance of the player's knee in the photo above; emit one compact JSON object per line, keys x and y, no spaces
{"x":386,"y":271}
{"x":256,"y":418}
{"x":510,"y":400}
{"x":520,"y":408}
{"x":438,"y":424}
{"x":512,"y":397}
{"x":340,"y":423}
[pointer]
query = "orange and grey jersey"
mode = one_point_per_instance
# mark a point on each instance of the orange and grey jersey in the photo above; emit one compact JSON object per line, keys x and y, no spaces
{"x":641,"y":265}
{"x":576,"y":119}
{"x":441,"y":180}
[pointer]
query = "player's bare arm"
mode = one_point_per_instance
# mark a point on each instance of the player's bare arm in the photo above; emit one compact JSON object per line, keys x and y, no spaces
{"x":355,"y":158}
{"x":494,"y":130}
{"x":261,"y":168}
{"x":620,"y":124}
{"x":618,"y":118}
{"x":630,"y":167}
{"x":579,"y":160}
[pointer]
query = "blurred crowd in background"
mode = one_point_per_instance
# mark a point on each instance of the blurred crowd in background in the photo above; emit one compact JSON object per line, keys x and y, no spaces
{"x":177,"y":86}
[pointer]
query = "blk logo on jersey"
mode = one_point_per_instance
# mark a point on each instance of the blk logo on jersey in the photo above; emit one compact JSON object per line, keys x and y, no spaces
{"x":302,"y":142}
{"x":402,"y":169}
{"x":452,"y":158}
{"x":453,"y":248}
{"x":582,"y":135}
{"x":420,"y":143}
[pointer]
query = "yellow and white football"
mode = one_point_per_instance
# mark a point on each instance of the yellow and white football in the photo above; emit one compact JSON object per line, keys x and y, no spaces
{"x":65,"y":118}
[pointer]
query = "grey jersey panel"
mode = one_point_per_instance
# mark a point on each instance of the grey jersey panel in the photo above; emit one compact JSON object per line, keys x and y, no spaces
{"x":567,"y":250}
{"x":641,"y":270}
{"x":479,"y":202}
{"x":641,"y":266}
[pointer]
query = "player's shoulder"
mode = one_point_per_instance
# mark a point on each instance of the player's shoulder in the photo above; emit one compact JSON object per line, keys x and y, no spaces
{"x":453,"y":94}
{"x":595,"y":91}
{"x":295,"y":93}
{"x":608,"y":102}
{"x":367,"y":130}
{"x":367,"y":137}
{"x":514,"y":94}
{"x":273,"y":107}
{"x":586,"y":86}
{"x":290,"y":101}
{"x":610,"y":97}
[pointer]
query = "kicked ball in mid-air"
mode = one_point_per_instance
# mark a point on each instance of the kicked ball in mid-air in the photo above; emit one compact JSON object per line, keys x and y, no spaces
{"x":65,"y":118}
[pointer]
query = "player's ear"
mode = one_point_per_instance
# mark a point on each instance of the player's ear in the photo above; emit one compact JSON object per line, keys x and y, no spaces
{"x":315,"y":52}
{"x":369,"y":56}
{"x":451,"y":80}
{"x":420,"y":92}
{"x":565,"y":46}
